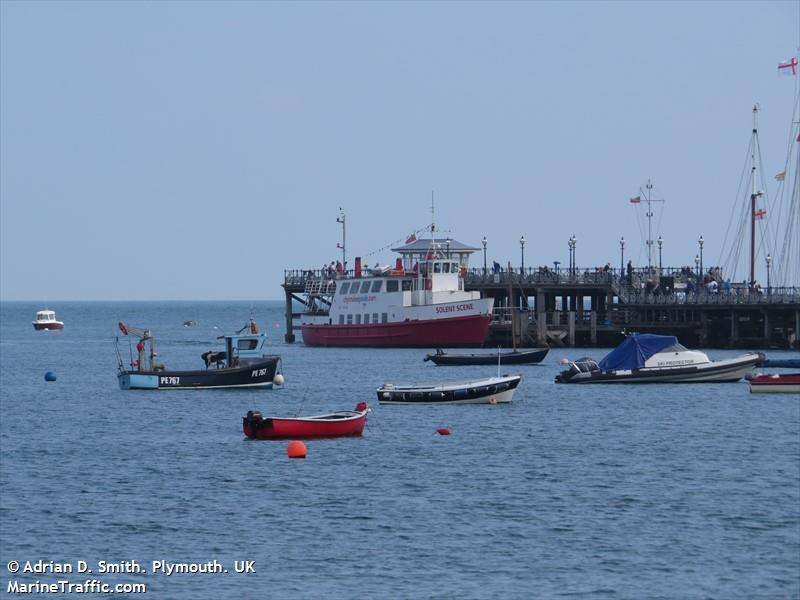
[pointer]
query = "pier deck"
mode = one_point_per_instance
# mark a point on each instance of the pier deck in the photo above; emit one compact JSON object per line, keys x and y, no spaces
{"x":594,"y":308}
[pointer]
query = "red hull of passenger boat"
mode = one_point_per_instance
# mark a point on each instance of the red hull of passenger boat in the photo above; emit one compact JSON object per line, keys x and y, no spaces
{"x":456,"y":331}
{"x":339,"y":424}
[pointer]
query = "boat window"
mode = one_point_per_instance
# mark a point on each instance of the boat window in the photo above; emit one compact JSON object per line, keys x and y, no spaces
{"x":343,"y":287}
{"x":376,"y":286}
{"x":454,"y":268}
{"x":406,"y":285}
{"x":365,"y":287}
{"x":392,"y":285}
{"x":445,"y":267}
{"x":366,"y":319}
{"x":349,"y":319}
{"x":341,"y":319}
{"x":437,"y":267}
{"x":675,"y":348}
{"x":374,"y":317}
{"x":358,"y":319}
{"x":385,"y":318}
{"x":247,"y":344}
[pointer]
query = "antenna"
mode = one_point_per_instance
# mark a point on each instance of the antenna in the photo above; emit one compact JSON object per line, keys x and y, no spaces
{"x":341,"y":219}
{"x":433,"y":221}
{"x":649,"y":199}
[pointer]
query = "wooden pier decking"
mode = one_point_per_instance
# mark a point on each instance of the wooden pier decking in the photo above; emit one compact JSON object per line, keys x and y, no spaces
{"x":550,"y":307}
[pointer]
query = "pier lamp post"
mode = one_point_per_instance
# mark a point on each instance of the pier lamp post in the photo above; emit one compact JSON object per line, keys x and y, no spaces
{"x":484,"y":255}
{"x":700,"y":241}
{"x":522,"y":251}
{"x":769,"y":263}
{"x":659,"y":255}
{"x":621,"y":256}
{"x":697,"y":265}
{"x":571,"y":244}
{"x":447,"y":241}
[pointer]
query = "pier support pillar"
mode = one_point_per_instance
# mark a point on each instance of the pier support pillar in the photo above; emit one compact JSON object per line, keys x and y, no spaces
{"x":593,"y":327}
{"x":767,"y":330}
{"x":796,"y":343}
{"x":289,"y":337}
{"x":571,"y":319}
{"x":703,"y":330}
{"x":541,"y":318}
{"x":734,"y":341}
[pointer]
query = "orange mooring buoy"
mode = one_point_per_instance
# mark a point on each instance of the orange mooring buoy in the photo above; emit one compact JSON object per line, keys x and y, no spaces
{"x":296,"y":449}
{"x":443,"y":431}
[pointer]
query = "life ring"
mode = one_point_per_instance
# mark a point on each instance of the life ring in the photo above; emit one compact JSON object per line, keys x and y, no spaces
{"x":428,"y":284}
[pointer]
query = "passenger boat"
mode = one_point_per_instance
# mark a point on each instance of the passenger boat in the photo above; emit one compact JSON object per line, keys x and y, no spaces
{"x":421,"y":302}
{"x":649,"y":358}
{"x":46,"y":321}
{"x":338,"y":424}
{"x":517,"y":357}
{"x":786,"y":383}
{"x":494,"y":390}
{"x":240,"y":365}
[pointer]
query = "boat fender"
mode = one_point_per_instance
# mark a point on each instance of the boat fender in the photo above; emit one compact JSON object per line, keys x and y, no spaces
{"x":123,"y":328}
{"x":361,"y":406}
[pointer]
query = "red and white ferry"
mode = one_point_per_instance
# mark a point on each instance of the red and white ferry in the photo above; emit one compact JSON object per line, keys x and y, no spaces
{"x":421,"y":302}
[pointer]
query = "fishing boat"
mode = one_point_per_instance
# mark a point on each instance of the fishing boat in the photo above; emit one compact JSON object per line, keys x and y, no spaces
{"x":421,"y":302}
{"x":650,"y":358}
{"x":493,"y":390}
{"x":516,"y":357}
{"x":785,"y":383}
{"x":46,"y":321}
{"x":338,"y":424}
{"x":241,"y":364}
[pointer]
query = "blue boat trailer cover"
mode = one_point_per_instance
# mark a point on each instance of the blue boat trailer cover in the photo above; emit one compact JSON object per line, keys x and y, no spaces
{"x":635,"y":350}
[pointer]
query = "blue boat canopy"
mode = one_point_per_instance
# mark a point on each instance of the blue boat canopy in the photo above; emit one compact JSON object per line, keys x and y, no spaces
{"x":635,"y":350}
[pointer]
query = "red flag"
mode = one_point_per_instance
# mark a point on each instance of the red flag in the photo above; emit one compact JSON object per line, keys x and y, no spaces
{"x":788,"y":68}
{"x":411,"y":238}
{"x":636,"y":200}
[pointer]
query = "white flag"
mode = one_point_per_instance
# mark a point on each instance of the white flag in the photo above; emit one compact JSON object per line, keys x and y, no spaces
{"x":780,"y":176}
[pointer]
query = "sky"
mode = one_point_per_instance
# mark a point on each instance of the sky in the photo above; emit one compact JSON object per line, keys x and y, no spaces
{"x":196,"y":150}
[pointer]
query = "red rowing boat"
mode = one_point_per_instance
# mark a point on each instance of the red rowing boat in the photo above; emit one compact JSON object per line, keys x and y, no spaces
{"x":339,"y":424}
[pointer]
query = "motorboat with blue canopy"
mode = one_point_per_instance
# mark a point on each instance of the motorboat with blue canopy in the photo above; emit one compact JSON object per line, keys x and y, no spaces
{"x":651,"y":358}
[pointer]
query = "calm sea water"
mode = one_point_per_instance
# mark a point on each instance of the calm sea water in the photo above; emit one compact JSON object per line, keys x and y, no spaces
{"x":660,"y":491}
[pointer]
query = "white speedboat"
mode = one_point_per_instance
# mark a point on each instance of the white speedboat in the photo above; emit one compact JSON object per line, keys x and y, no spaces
{"x":649,"y":358}
{"x":493,"y":390}
{"x":46,"y":321}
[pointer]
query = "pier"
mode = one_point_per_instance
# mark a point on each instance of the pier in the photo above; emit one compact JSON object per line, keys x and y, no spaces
{"x":589,"y":308}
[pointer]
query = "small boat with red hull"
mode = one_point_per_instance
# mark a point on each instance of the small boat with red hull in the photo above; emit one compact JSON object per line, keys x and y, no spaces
{"x":46,"y":321}
{"x":422,"y":302}
{"x":344,"y":423}
{"x":785,"y":383}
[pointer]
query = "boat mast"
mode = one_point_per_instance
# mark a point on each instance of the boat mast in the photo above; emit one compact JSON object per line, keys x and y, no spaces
{"x":341,"y":219}
{"x":753,"y":196}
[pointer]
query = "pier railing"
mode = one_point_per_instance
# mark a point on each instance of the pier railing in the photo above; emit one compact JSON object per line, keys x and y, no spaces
{"x":629,"y":288}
